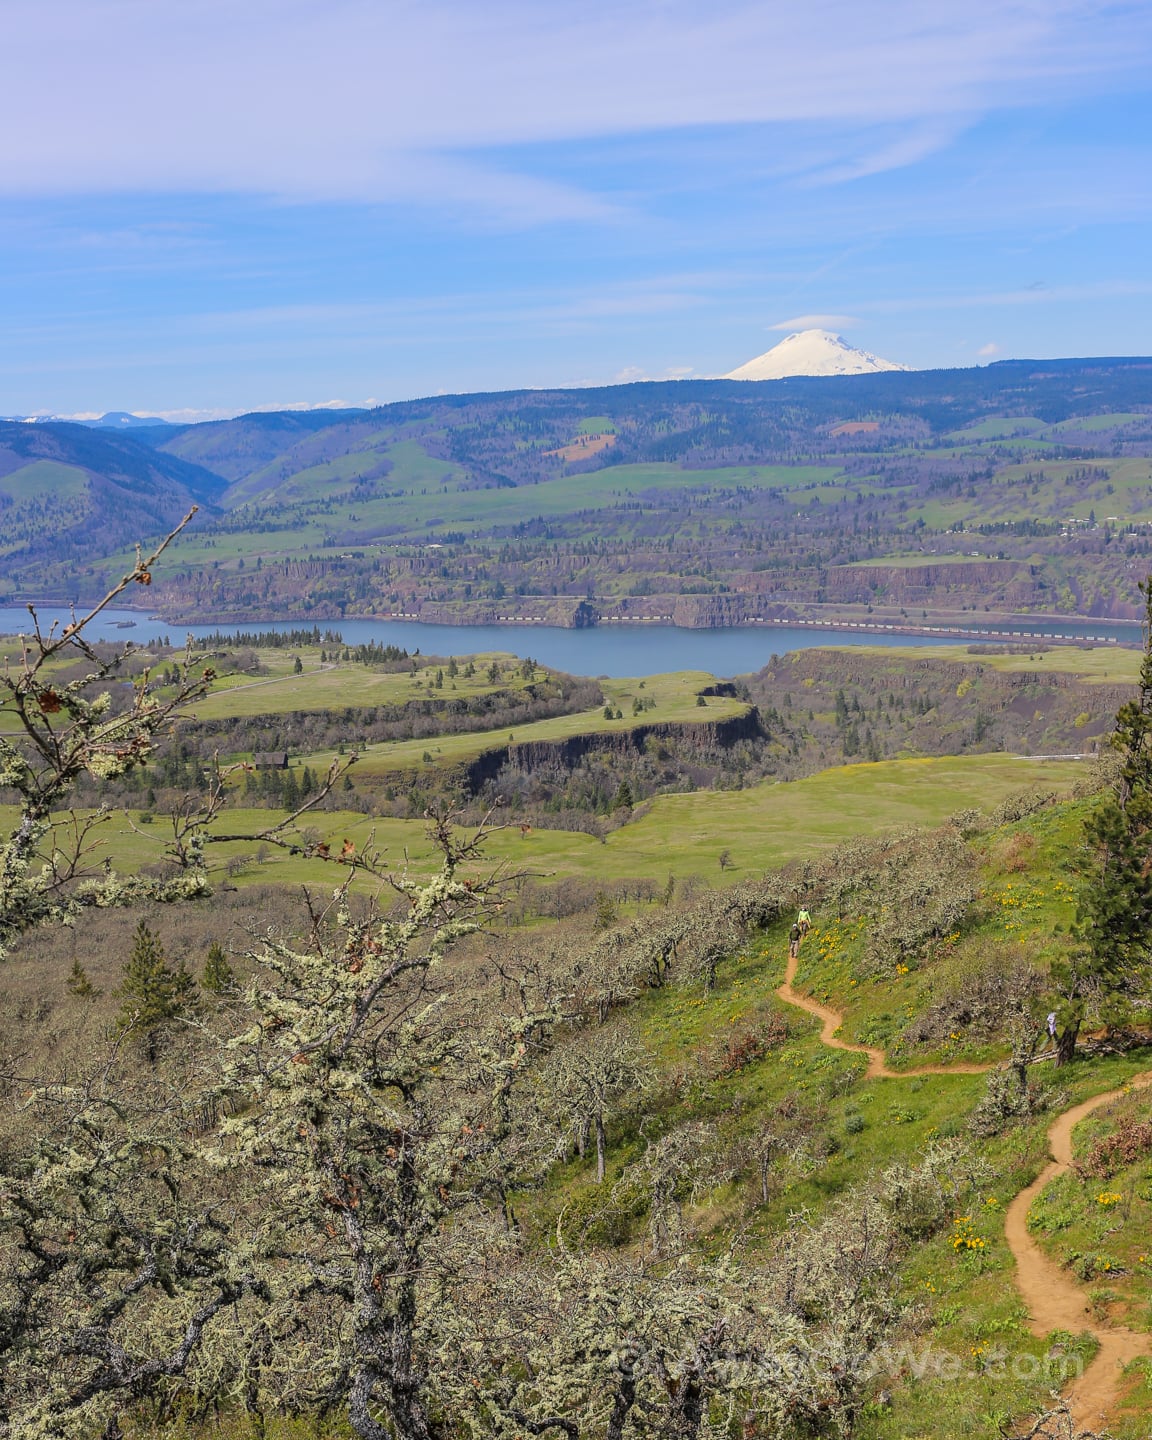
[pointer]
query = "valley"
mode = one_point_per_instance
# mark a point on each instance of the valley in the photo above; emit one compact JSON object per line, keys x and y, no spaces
{"x":509,"y":935}
{"x":903,"y":498}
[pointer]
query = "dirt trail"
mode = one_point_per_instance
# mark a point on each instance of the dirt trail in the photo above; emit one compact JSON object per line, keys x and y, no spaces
{"x":1054,"y":1300}
{"x":878,"y":1069}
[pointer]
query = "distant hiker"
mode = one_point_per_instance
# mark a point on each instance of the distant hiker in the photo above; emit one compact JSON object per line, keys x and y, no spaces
{"x":1052,"y":1028}
{"x":794,"y":942}
{"x":804,"y":920}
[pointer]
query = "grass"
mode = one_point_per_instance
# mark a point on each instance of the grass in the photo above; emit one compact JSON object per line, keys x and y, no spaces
{"x":30,"y":482}
{"x":1101,"y":1227}
{"x":911,"y":561}
{"x":341,"y":686}
{"x":971,"y":1324}
{"x":1106,"y":665}
{"x":675,"y":703}
{"x":433,"y":499}
{"x":760,"y":827}
{"x":961,"y":1306}
{"x":413,"y":469}
{"x":1026,"y":904}
{"x":1092,"y":424}
{"x":997,"y":428}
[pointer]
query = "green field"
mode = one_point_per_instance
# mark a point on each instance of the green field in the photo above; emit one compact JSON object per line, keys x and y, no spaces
{"x":432,"y":498}
{"x":338,"y":686}
{"x":1104,"y":665}
{"x":1093,"y":424}
{"x":413,"y":469}
{"x":760,"y":827}
{"x":997,"y":428}
{"x":908,"y":562}
{"x":674,"y":694}
{"x":44,"y":477}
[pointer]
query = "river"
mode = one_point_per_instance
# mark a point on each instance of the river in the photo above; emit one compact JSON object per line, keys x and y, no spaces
{"x":611,"y":650}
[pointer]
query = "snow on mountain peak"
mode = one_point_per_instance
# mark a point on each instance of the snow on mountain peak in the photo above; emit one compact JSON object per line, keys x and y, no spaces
{"x":812,"y":352}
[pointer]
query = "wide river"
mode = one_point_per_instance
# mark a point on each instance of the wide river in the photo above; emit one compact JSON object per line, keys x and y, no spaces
{"x":612,"y":650}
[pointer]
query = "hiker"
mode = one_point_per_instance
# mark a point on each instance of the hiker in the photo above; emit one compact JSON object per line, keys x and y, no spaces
{"x":1052,"y":1029}
{"x":804,"y":920}
{"x":794,"y":942}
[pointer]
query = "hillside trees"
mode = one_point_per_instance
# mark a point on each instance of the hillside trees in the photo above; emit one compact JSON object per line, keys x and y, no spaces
{"x":121,"y":1254}
{"x":370,"y":1098}
{"x":64,"y":729}
{"x":1110,"y":967}
{"x":591,"y":1080}
{"x":218,"y":977}
{"x":154,"y":993}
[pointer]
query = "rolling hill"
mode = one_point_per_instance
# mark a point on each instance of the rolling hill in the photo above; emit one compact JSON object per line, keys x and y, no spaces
{"x":71,"y":493}
{"x":1022,"y":487}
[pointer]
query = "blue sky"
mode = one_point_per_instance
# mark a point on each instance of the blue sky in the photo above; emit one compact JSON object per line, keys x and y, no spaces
{"x":233,"y":204}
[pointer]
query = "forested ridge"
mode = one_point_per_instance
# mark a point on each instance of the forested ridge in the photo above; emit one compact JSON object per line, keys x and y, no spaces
{"x":1017,"y":488}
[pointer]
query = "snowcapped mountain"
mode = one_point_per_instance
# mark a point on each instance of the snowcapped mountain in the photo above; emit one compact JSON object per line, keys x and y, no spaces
{"x":113,"y":420}
{"x":812,"y":352}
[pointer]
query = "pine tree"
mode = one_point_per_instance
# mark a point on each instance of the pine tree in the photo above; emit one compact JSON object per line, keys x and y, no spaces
{"x":1114,"y":914}
{"x":218,"y":977}
{"x":78,"y":982}
{"x":624,"y":799}
{"x":184,"y":994}
{"x":154,"y":994}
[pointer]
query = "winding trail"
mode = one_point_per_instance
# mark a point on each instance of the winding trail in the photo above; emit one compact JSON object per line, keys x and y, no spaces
{"x":831,"y":1021}
{"x":1054,"y":1300}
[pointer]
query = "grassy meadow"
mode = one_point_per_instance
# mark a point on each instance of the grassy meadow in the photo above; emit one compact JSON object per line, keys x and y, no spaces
{"x":1098,"y":665}
{"x":758,"y":828}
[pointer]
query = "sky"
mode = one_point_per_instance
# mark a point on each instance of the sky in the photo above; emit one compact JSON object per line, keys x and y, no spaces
{"x":209,"y":206}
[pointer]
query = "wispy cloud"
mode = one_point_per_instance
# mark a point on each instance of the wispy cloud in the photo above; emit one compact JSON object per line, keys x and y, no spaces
{"x":817,"y":322}
{"x":353,"y":99}
{"x":1035,"y":293}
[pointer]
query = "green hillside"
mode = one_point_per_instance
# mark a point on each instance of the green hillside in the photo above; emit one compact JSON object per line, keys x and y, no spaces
{"x":824,"y":1105}
{"x":909,"y":497}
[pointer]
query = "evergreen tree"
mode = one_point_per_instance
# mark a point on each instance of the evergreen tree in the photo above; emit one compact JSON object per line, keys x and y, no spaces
{"x":78,"y":982}
{"x":291,"y":791}
{"x":307,"y":783}
{"x":218,"y":977}
{"x":184,"y":995}
{"x":624,"y":799}
{"x":154,"y":994}
{"x":1114,"y":914}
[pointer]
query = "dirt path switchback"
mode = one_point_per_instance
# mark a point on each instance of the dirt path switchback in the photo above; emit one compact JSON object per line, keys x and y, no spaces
{"x":1054,"y":1300}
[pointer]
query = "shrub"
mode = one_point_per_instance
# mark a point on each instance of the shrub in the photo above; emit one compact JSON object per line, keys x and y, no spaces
{"x":1128,"y":1143}
{"x":1005,"y":1100}
{"x":1019,"y":805}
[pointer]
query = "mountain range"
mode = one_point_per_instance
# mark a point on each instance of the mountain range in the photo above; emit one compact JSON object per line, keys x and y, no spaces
{"x":707,"y":501}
